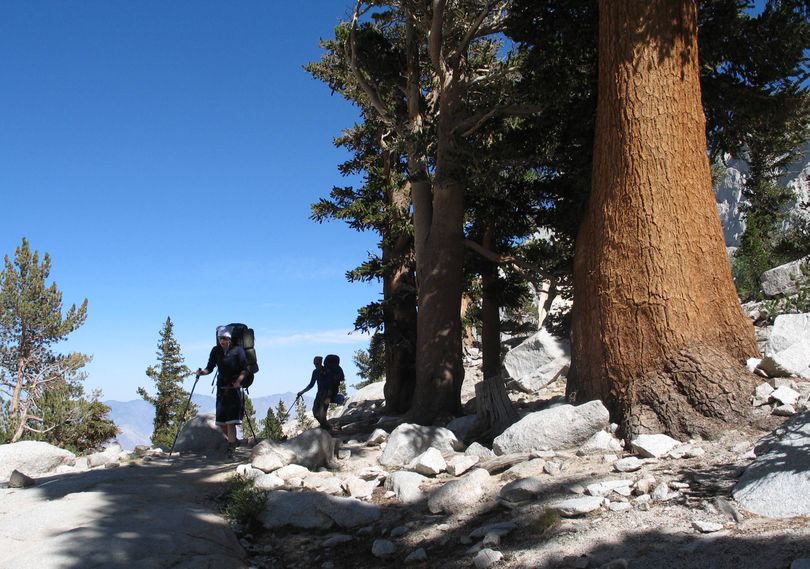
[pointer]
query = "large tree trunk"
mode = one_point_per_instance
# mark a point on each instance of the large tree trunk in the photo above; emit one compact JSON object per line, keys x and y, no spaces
{"x":438,"y":221}
{"x":658,"y":333}
{"x":439,"y":269}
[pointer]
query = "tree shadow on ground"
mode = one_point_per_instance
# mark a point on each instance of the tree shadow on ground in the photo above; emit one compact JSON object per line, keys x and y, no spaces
{"x":160,"y":514}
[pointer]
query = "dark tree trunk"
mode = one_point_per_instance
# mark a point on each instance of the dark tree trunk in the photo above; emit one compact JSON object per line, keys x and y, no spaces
{"x":494,"y":409}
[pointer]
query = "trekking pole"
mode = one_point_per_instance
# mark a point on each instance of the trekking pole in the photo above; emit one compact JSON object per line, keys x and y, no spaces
{"x":250,"y":424}
{"x":183,"y":416}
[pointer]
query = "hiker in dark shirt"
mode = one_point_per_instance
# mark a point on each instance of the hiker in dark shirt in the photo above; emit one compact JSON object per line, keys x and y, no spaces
{"x":232,"y":367}
{"x":324,"y":394}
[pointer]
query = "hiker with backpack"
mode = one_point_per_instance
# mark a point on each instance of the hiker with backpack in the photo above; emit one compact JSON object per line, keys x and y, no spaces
{"x":328,"y":377}
{"x":232,"y":369}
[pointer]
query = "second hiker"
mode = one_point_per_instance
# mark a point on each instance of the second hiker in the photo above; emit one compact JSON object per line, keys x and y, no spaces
{"x":328,"y":376}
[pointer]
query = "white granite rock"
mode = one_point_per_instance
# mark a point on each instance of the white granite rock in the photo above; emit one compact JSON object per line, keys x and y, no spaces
{"x":429,"y":463}
{"x":653,"y":446}
{"x":577,"y":506}
{"x":459,"y":495}
{"x":537,"y":361}
{"x":562,"y":427}
{"x":408,"y":441}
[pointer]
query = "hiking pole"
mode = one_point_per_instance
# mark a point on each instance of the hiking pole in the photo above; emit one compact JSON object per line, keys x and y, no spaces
{"x":247,"y":419}
{"x":183,"y":416}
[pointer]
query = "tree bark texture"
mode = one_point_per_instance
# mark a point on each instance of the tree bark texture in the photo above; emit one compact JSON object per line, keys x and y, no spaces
{"x":657,"y":333}
{"x":439,"y":270}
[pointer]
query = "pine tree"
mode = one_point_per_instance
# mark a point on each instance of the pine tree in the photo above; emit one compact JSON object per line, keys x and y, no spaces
{"x":303,"y":421}
{"x":271,"y":429}
{"x":170,"y":397}
{"x":31,"y":321}
{"x":282,"y":413}
{"x":370,"y":363}
{"x":79,"y":424}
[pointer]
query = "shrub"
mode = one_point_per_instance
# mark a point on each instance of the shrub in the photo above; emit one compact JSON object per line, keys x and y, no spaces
{"x":244,"y":503}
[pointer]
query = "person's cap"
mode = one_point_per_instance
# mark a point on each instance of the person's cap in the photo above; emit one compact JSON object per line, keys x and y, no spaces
{"x":225,"y":334}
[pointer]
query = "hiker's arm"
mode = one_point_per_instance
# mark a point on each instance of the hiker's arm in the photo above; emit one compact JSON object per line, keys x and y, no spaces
{"x":212,"y":363}
{"x":308,"y":387}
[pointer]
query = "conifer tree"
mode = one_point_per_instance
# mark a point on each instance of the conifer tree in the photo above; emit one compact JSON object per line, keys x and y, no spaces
{"x":170,"y":396}
{"x":76,"y":423}
{"x":271,"y":429}
{"x":371,"y":362}
{"x":31,"y":322}
{"x":282,"y":413}
{"x":303,"y":421}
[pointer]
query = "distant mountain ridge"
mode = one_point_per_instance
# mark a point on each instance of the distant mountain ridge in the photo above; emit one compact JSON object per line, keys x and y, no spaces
{"x":135,"y":418}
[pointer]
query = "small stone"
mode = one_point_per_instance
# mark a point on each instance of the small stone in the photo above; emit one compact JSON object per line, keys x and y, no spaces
{"x":337,"y":539}
{"x":578,"y":506}
{"x":643,"y":485}
{"x":785,"y":395}
{"x":20,"y":480}
{"x":784,"y":411}
{"x":492,"y":539}
{"x":620,"y":506}
{"x":417,"y":556}
{"x":487,"y":558}
{"x":661,"y":492}
{"x":727,"y":509}
{"x":399,"y":531}
{"x":706,"y":527}
{"x":653,"y":446}
{"x":383,"y":548}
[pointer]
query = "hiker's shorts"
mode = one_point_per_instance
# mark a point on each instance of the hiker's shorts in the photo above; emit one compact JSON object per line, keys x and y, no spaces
{"x":229,"y":406}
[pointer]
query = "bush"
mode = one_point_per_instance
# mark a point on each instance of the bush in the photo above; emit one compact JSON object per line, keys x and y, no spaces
{"x":244,"y":503}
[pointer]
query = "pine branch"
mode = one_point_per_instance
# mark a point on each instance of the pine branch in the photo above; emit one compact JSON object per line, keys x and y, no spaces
{"x":351,"y":52}
{"x":470,"y":125}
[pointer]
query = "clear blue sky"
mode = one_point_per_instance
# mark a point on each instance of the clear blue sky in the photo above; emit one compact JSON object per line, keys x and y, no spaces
{"x":166,"y":155}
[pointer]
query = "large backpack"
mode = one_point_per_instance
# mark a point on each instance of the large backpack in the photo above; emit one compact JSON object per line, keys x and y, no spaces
{"x":243,"y":336}
{"x":333,"y":371}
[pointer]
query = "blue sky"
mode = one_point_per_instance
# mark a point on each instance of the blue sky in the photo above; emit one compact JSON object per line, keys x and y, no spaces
{"x":166,"y":155}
